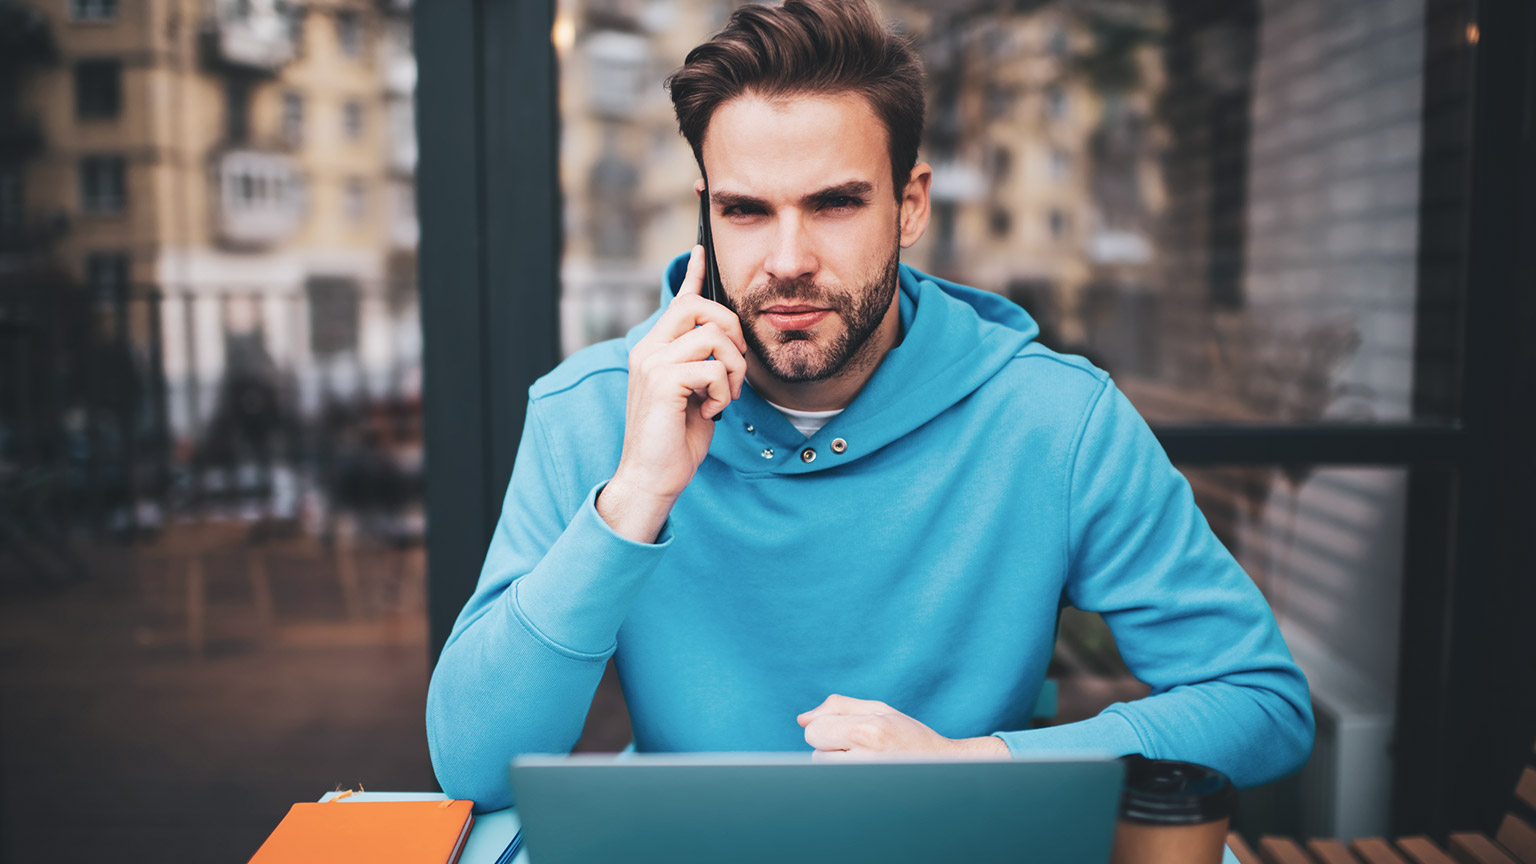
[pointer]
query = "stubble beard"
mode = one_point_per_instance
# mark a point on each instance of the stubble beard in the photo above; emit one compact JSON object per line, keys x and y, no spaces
{"x":794,"y":356}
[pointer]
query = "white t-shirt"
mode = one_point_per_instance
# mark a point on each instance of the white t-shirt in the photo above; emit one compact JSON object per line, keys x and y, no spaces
{"x":808,"y":422}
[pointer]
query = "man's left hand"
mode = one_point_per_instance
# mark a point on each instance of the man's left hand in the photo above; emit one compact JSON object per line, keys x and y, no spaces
{"x":842,"y":728}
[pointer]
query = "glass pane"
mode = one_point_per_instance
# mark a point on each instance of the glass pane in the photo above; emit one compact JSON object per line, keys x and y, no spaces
{"x":1326,"y":547}
{"x":1218,"y":203}
{"x":212,"y":571}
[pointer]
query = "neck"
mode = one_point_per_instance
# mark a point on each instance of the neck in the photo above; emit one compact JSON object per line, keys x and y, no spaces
{"x":830,"y":394}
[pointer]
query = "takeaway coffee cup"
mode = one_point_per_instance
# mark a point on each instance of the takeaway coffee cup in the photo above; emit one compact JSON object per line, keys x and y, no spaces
{"x":1172,"y":813}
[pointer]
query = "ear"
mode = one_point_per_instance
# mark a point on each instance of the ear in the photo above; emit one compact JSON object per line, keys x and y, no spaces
{"x":914,"y":204}
{"x":698,"y":186}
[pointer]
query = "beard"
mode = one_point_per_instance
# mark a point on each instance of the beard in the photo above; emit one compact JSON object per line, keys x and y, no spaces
{"x":794,"y":356}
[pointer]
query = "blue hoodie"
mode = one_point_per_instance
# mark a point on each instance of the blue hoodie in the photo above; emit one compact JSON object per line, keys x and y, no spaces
{"x":981,"y":479}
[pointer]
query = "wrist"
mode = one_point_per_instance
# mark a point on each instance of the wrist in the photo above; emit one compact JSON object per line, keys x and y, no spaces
{"x":985,"y":747}
{"x":632,"y":511}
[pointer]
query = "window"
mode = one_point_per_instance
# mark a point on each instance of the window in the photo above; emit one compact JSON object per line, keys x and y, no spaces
{"x":1055,"y":103}
{"x":334,"y":310}
{"x":106,"y":273}
{"x":98,"y":89}
{"x":999,"y":222}
{"x":93,"y":10}
{"x":293,"y":118}
{"x":237,"y":106}
{"x":294,"y":18}
{"x":352,"y":119}
{"x":1059,"y":43}
{"x":349,"y":33}
{"x":356,"y":200}
{"x":1061,"y":165}
{"x":1060,"y":224}
{"x":102,"y":187}
{"x":10,"y":200}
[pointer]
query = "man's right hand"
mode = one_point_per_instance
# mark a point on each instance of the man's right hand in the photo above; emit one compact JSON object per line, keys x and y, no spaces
{"x":681,"y":375}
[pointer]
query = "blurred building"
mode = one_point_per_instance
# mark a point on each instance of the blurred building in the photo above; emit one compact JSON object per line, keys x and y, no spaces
{"x":628,"y":175}
{"x":1044,"y":181}
{"x":1041,"y":133}
{"x":238,"y":174}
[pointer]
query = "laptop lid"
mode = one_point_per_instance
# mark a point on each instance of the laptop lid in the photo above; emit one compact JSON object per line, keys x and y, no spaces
{"x":747,"y":809}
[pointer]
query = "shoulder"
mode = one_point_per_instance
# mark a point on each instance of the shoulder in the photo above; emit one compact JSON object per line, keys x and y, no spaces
{"x":1064,"y":381}
{"x":591,"y":373}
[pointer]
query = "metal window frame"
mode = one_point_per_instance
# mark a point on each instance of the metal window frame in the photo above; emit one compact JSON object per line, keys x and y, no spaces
{"x":489,"y":255}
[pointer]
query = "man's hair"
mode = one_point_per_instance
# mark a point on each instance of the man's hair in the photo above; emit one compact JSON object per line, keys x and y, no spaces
{"x":806,"y":47}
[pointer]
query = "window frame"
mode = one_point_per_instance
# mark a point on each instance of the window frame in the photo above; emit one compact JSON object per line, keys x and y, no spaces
{"x":93,"y":11}
{"x":91,"y":173}
{"x":489,"y":273}
{"x":354,"y":123}
{"x":291,"y":117}
{"x":94,"y":79}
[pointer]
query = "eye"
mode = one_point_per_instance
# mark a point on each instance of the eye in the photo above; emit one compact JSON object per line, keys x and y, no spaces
{"x":842,"y":202}
{"x":739,"y":210}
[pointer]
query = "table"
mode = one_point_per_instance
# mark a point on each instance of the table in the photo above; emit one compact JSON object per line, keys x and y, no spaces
{"x":493,"y":831}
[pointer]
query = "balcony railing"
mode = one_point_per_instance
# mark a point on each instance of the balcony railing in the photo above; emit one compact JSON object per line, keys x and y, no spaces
{"x":259,"y":197}
{"x":252,"y":35}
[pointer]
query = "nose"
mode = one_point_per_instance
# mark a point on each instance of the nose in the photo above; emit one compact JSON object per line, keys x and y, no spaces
{"x":791,"y":256}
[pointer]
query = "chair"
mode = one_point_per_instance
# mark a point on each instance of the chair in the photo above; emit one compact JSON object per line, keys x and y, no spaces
{"x":1513,"y":843}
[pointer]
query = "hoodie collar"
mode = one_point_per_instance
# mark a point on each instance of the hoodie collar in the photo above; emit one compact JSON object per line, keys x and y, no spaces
{"x":954,"y":339}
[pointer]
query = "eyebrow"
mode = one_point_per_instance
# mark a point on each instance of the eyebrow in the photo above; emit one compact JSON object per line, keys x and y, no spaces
{"x":851,"y":189}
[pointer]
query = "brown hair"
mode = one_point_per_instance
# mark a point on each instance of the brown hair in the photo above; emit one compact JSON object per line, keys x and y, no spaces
{"x":806,"y":47}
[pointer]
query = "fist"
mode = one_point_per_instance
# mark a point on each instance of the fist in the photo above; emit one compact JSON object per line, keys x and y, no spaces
{"x":842,"y":728}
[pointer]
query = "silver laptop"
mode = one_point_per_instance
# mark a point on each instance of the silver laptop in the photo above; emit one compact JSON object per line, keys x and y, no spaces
{"x":751,"y":808}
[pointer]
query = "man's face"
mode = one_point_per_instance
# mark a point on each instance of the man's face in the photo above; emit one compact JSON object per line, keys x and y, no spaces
{"x":807,"y":230}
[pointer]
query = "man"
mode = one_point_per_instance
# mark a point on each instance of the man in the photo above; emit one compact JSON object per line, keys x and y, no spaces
{"x":840,"y":509}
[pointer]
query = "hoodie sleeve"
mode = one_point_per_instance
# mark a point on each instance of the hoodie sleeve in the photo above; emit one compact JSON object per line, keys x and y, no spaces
{"x":1187,"y":620}
{"x":524,"y":657}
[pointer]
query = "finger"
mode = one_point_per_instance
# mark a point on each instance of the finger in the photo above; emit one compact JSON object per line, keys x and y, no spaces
{"x":691,"y":311}
{"x":835,"y":756}
{"x":848,"y":732}
{"x":704,"y":380}
{"x":702,"y":343}
{"x":693,"y":279}
{"x":836,"y":704}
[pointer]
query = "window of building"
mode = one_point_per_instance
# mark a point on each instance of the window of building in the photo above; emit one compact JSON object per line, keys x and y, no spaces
{"x":10,"y":200}
{"x":1059,"y":43}
{"x":102,"y":185}
{"x":1061,"y":164}
{"x":1056,"y":103}
{"x":352,"y":119}
{"x":1059,"y":223}
{"x":334,"y":310}
{"x":293,"y":118}
{"x":93,"y":10}
{"x":356,"y":200}
{"x":237,"y":106}
{"x":106,"y":273}
{"x":999,"y":222}
{"x":98,"y":89}
{"x":294,"y":18}
{"x":349,"y":33}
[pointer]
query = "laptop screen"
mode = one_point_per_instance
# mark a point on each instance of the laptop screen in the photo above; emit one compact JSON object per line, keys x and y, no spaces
{"x":745,"y":809}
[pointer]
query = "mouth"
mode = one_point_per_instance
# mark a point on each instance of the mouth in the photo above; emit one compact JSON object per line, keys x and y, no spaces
{"x":794,"y":317}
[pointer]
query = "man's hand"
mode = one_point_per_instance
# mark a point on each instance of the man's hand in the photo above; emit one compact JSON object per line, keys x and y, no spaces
{"x":850,"y":729}
{"x":681,"y":375}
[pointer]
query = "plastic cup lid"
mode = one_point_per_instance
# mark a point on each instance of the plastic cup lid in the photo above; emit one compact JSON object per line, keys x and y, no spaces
{"x":1166,"y":792}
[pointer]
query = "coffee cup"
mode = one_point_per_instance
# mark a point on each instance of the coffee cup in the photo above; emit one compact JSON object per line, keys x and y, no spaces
{"x":1172,"y":813}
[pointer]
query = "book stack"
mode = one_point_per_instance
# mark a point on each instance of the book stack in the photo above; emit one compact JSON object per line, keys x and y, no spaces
{"x":378,"y":832}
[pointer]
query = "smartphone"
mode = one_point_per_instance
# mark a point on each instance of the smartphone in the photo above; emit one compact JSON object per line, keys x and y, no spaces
{"x":712,"y":288}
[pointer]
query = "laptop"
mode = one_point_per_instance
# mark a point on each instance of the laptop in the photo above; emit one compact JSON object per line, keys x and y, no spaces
{"x":761,"y":808}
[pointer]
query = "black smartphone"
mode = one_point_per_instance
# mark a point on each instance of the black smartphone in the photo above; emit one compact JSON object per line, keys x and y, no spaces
{"x":712,"y":288}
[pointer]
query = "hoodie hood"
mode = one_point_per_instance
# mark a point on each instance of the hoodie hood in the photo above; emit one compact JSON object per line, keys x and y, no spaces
{"x":954,"y":339}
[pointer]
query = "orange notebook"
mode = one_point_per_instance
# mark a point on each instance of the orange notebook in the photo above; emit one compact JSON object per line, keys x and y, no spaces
{"x":377,"y":832}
